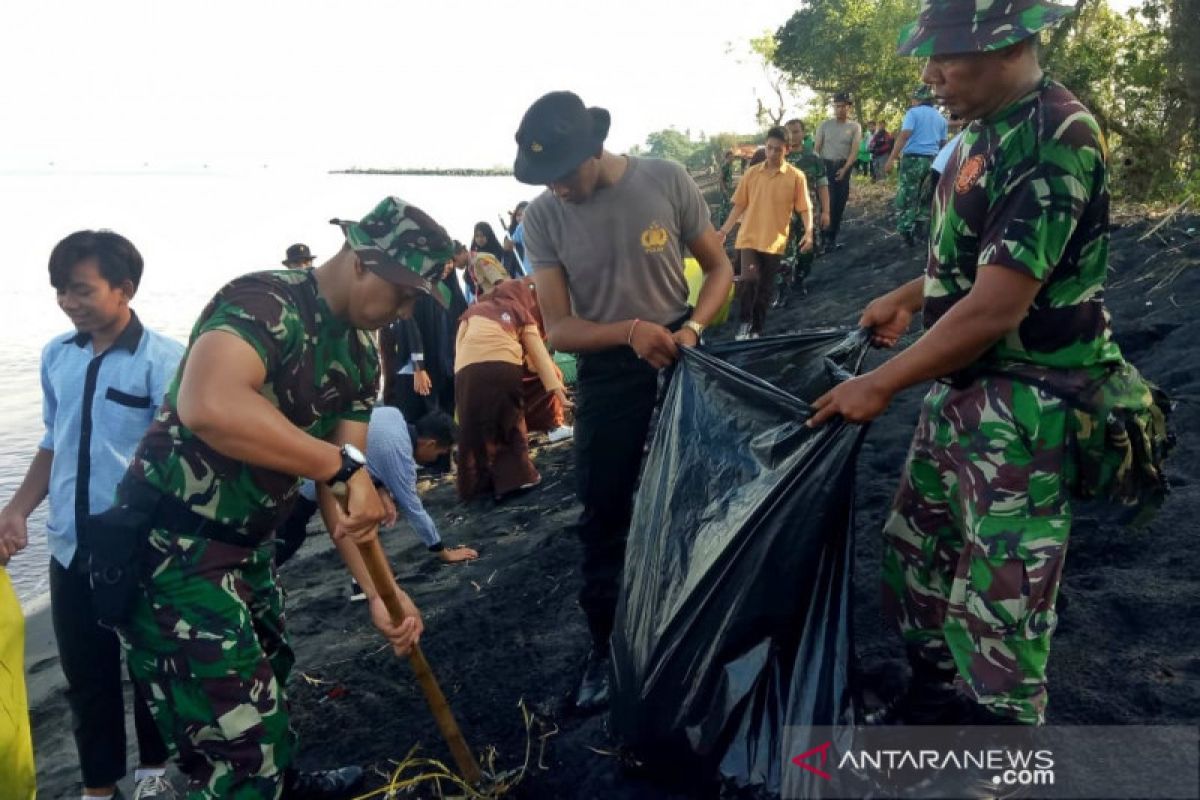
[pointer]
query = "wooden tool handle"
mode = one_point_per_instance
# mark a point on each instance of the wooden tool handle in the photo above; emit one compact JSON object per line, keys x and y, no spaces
{"x":384,"y":581}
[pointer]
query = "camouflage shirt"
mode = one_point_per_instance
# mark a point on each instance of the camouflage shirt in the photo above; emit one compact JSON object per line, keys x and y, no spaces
{"x":319,"y":371}
{"x":811,"y":165}
{"x":1027,"y":189}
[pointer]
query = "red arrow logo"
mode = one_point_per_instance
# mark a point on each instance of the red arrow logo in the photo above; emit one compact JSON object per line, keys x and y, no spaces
{"x":823,"y":751}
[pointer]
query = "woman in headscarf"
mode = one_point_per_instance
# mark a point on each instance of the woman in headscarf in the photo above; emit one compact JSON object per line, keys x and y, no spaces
{"x":496,"y":337}
{"x":484,"y":241}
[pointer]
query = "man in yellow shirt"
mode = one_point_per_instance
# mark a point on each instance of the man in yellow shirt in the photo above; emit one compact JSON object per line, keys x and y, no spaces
{"x":765,"y":198}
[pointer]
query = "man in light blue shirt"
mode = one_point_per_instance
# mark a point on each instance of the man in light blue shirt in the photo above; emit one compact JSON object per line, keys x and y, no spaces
{"x":921,"y":136}
{"x":394,"y":449}
{"x":101,"y":386}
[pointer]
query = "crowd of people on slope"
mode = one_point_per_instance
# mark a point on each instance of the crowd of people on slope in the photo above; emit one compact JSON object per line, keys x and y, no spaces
{"x":205,"y":448}
{"x":776,"y":206}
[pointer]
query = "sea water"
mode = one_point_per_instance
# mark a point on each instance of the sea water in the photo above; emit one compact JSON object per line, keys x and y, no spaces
{"x":196,"y":230}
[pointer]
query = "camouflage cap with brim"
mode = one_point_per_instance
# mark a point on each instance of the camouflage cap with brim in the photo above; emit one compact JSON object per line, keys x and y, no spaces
{"x":975,"y":26}
{"x":403,"y":245}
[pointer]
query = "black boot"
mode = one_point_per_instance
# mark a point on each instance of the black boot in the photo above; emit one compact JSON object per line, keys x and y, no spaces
{"x":782,"y":296}
{"x":931,"y":699}
{"x":329,"y":784}
{"x":593,"y":689}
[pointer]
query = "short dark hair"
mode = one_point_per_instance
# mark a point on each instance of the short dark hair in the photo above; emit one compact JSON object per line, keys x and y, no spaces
{"x":459,"y":247}
{"x":119,"y":260}
{"x":795,"y":121}
{"x":438,"y":426}
{"x":777,"y":132}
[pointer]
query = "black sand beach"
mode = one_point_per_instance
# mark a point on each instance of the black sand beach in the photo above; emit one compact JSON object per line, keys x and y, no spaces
{"x":506,"y":629}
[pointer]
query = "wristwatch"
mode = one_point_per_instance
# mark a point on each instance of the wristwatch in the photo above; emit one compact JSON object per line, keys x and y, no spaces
{"x":352,"y":461}
{"x":695,"y":327}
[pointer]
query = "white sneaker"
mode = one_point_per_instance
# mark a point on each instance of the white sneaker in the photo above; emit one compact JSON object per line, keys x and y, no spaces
{"x":743,"y":332}
{"x":357,"y":595}
{"x":154,"y":786}
{"x":560,"y":433}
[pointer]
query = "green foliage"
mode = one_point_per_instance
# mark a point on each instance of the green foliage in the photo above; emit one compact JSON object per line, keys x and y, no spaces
{"x":1124,"y":69}
{"x":695,"y":154}
{"x":671,"y":144}
{"x":850,"y":45}
{"x":783,"y":87}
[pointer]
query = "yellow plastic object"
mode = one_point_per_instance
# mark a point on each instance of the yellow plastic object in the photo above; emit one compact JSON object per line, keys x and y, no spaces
{"x":694,"y":275}
{"x":17,"y":774}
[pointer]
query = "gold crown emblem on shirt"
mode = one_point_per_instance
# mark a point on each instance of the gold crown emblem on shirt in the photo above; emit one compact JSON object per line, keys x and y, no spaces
{"x":536,"y":147}
{"x":655,"y":238}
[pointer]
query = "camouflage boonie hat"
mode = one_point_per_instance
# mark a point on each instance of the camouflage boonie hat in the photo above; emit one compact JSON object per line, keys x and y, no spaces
{"x":975,"y":26}
{"x":401,"y":244}
{"x":923,"y":93}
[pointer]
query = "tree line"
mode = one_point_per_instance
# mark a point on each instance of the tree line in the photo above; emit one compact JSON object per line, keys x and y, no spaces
{"x":1138,"y":71}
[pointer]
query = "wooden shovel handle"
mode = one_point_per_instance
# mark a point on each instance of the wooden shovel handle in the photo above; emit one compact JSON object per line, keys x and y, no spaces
{"x":381,"y":576}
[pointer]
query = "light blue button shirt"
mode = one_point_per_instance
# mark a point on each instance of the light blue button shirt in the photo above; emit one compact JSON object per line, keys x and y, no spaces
{"x":95,"y":409}
{"x":390,"y":461}
{"x":928,"y":128}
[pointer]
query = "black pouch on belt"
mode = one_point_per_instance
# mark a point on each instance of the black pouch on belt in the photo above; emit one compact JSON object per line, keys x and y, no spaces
{"x":114,"y":541}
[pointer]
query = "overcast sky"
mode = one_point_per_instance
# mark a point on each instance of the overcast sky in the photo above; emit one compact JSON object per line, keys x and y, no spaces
{"x":364,"y":82}
{"x":122,"y":83}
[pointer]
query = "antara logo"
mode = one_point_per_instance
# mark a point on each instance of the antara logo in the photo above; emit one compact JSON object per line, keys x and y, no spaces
{"x":822,"y":752}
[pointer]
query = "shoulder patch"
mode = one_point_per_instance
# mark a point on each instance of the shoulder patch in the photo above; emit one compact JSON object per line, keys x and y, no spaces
{"x":969,"y":174}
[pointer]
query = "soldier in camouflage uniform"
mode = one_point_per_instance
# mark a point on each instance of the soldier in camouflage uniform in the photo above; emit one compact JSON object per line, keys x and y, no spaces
{"x":277,"y":384}
{"x":1013,"y":299}
{"x":726,"y":203}
{"x":922,"y":135}
{"x":797,"y":263}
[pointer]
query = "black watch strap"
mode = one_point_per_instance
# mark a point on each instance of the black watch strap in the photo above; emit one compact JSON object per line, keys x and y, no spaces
{"x":349,"y":467}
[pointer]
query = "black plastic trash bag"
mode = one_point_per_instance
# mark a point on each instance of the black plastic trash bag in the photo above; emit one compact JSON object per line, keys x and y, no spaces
{"x":734,"y":617}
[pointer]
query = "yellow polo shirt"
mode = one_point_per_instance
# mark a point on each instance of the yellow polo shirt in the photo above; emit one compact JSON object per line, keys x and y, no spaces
{"x":770,"y":196}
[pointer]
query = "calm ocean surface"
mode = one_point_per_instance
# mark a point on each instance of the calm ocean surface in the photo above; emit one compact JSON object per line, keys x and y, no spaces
{"x":196,"y":231}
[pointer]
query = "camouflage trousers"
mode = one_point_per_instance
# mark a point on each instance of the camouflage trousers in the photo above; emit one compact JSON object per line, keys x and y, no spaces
{"x":207,"y":646}
{"x":974,"y":546}
{"x":796,"y":265}
{"x":913,"y":197}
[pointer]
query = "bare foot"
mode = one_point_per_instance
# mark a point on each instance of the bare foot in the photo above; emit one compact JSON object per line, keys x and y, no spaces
{"x":453,"y":555}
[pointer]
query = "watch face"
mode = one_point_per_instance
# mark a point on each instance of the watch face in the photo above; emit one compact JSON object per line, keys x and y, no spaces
{"x":354,"y":453}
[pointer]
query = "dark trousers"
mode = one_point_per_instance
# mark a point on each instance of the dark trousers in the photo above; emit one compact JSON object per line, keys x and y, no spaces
{"x":91,"y":660}
{"x":615,"y":397}
{"x":413,"y":406}
{"x":756,"y":286}
{"x":293,"y":532}
{"x":839,"y":193}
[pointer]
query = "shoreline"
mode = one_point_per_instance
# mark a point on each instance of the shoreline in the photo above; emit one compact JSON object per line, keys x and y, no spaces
{"x":42,"y":677}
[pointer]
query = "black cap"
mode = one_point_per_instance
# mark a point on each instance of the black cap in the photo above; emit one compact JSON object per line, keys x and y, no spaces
{"x":842,"y":97}
{"x":297,"y":253}
{"x":557,"y":134}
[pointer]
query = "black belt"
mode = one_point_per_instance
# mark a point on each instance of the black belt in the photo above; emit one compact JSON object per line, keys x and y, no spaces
{"x":170,"y":512}
{"x":916,"y":155}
